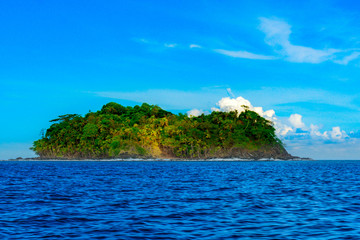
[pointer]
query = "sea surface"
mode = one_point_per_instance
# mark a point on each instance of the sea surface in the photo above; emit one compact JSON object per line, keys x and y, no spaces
{"x":180,"y":200}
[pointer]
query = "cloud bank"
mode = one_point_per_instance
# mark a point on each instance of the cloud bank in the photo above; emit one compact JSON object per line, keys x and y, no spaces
{"x":292,"y":127}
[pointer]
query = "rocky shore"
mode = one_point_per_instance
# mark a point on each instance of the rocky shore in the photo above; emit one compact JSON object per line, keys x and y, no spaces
{"x":265,"y":154}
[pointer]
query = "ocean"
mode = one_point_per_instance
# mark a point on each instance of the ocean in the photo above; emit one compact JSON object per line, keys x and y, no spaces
{"x":180,"y":200}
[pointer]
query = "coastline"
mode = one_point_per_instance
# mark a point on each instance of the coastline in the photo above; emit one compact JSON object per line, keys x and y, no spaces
{"x":19,"y":159}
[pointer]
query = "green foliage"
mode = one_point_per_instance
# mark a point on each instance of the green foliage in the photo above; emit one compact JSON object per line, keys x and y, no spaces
{"x":141,"y":151}
{"x":90,"y":131}
{"x":65,"y":117}
{"x":113,"y":108}
{"x":150,"y":131}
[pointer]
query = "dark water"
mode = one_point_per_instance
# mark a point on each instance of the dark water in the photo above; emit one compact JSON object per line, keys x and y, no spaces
{"x":180,"y":200}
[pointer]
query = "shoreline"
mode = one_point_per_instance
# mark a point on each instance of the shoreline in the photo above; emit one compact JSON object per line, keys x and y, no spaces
{"x":155,"y":160}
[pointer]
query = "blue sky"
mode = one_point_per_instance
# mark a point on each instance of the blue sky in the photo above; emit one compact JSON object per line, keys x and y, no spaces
{"x":298,"y":58}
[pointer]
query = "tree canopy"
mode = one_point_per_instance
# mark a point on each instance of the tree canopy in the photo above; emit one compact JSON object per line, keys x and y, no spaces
{"x":149,"y":131}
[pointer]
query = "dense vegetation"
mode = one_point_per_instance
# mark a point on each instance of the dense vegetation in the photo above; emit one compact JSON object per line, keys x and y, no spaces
{"x":149,"y":131}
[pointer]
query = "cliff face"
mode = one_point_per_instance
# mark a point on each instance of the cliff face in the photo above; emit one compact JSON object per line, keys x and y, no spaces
{"x":148,"y":131}
{"x":274,"y":152}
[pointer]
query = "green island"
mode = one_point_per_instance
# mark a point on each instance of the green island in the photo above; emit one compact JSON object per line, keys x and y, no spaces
{"x":147,"y":131}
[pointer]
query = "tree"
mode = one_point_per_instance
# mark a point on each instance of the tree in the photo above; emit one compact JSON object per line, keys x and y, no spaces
{"x":148,"y":130}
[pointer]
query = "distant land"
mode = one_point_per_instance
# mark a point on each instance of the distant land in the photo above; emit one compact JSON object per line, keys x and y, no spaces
{"x":149,"y":132}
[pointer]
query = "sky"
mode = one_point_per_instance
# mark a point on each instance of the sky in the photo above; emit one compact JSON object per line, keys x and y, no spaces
{"x":294,"y":62}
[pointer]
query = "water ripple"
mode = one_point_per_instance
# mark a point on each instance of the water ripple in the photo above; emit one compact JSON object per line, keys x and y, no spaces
{"x":180,"y":200}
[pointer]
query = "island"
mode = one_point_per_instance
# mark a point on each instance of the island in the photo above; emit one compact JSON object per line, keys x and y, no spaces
{"x":149,"y":132}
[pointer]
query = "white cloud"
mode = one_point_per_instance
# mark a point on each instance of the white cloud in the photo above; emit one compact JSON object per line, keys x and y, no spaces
{"x":239,"y":104}
{"x":243,"y":54}
{"x":349,"y":58}
{"x":142,"y":40}
{"x":277,"y":34}
{"x":269,"y":113}
{"x":194,"y":46}
{"x":230,"y":92}
{"x":336,"y":134}
{"x":283,"y":129}
{"x":195,"y":112}
{"x":314,"y":131}
{"x":302,"y":54}
{"x":296,"y":121}
{"x":170,"y":45}
{"x":154,"y":45}
{"x":231,"y":104}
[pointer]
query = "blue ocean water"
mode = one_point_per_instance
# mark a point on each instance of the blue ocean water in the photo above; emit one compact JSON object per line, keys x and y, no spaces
{"x":180,"y":200}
